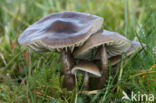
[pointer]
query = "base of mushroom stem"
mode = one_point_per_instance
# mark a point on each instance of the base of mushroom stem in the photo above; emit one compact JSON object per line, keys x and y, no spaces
{"x":101,"y":83}
{"x":69,"y":82}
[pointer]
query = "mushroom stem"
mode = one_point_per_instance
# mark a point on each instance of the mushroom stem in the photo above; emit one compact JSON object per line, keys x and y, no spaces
{"x":104,"y":67}
{"x":86,"y":81}
{"x":69,"y":80}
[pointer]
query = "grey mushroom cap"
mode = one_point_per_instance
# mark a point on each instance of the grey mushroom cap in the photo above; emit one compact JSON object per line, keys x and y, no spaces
{"x":115,"y":43}
{"x":88,"y":67}
{"x":60,"y":30}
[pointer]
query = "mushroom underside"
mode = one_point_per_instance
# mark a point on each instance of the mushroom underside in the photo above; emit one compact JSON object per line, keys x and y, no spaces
{"x":87,"y":69}
{"x":114,"y":60}
{"x":115,"y":45}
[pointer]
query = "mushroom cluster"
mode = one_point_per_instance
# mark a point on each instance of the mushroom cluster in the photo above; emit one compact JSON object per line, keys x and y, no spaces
{"x":78,"y":36}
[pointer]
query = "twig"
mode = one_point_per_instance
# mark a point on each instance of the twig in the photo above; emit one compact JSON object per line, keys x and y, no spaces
{"x":41,"y":94}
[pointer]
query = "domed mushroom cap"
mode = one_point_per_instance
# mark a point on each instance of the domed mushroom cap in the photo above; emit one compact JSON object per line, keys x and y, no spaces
{"x":60,"y":30}
{"x":114,"y":42}
{"x":88,"y":67}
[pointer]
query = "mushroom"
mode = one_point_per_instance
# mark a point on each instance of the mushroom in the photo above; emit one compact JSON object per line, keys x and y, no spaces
{"x":87,"y":69}
{"x":154,"y":50}
{"x":115,"y":60}
{"x":61,"y":32}
{"x":109,"y":43}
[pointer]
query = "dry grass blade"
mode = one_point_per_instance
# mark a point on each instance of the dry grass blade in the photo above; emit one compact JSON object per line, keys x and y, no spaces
{"x":2,"y":56}
{"x":143,"y":73}
{"x":26,"y":55}
{"x":13,"y":45}
{"x":87,"y":92}
{"x":153,"y":66}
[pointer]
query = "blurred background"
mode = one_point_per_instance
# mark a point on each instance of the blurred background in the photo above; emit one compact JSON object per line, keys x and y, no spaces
{"x":28,"y":77}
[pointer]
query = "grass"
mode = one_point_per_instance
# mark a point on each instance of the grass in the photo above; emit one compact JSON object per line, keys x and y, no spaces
{"x":28,"y":77}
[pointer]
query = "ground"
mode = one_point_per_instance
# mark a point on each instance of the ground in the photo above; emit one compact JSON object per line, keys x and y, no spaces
{"x":29,"y":77}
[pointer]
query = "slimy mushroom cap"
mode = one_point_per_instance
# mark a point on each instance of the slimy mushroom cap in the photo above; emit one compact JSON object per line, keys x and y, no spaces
{"x":60,"y":30}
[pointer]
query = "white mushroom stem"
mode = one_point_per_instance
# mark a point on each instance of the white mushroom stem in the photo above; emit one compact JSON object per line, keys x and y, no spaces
{"x":69,"y":80}
{"x":104,"y":67}
{"x":86,"y":80}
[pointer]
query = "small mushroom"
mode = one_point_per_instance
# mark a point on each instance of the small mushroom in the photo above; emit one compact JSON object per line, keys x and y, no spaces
{"x":154,"y":50}
{"x":110,"y":43}
{"x":61,"y":32}
{"x":88,"y":69}
{"x":115,"y":60}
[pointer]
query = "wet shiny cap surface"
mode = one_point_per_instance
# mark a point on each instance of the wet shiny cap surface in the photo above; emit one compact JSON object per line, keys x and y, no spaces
{"x":60,"y":30}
